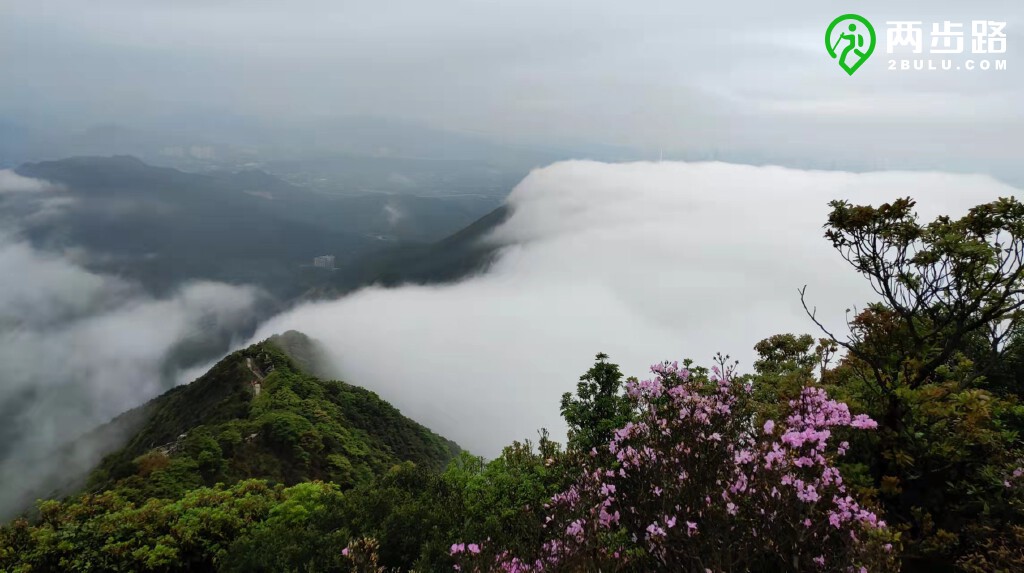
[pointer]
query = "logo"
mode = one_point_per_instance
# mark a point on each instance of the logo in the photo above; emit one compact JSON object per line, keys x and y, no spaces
{"x":908,"y":41}
{"x":850,"y":39}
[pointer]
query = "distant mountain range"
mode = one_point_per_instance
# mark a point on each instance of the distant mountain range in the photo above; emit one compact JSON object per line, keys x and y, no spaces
{"x":202,"y":141}
{"x":162,"y":226}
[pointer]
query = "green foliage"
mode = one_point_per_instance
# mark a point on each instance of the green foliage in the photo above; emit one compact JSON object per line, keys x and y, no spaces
{"x":598,"y":407}
{"x":940,"y":283}
{"x":301,"y":533}
{"x":106,"y":532}
{"x":785,"y":365}
{"x":299,"y":428}
{"x":412,"y":512}
{"x":505,"y":498}
{"x":937,"y":363}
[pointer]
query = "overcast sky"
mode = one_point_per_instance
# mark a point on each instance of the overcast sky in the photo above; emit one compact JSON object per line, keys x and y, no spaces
{"x":737,"y":79}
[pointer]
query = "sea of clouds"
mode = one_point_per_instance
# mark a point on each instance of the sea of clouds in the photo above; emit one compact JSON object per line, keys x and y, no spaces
{"x":644,"y":261}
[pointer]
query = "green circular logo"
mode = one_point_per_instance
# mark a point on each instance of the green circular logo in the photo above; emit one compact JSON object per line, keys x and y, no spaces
{"x":850,"y":39}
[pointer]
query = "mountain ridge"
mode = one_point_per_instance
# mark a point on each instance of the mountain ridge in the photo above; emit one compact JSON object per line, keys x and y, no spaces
{"x":259,"y":413}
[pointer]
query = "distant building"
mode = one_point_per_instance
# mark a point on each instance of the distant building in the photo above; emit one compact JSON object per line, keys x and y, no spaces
{"x":324,"y":262}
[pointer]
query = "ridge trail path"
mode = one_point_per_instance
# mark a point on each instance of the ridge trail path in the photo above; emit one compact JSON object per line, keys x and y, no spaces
{"x":258,"y":382}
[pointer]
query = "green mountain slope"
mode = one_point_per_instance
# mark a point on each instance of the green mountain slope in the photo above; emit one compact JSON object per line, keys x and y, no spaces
{"x":450,"y":259}
{"x":258,"y":414}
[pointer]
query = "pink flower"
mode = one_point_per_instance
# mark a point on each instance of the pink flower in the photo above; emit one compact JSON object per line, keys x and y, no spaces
{"x":654,"y":531}
{"x":608,"y":519}
{"x":862,"y":421}
{"x":691,"y":437}
{"x":575,"y":529}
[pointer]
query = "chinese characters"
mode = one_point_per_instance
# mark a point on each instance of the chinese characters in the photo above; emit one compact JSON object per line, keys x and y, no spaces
{"x":987,"y":37}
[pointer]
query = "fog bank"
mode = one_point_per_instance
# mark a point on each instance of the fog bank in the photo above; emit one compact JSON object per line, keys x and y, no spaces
{"x":78,"y":348}
{"x":643,"y":261}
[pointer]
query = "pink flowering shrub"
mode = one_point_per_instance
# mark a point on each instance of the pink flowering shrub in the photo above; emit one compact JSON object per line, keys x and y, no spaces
{"x":693,"y":484}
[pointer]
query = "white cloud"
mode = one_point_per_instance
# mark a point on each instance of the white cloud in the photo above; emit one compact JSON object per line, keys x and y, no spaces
{"x":644,"y":261}
{"x":11,"y":182}
{"x":393,"y":213}
{"x":79,"y":348}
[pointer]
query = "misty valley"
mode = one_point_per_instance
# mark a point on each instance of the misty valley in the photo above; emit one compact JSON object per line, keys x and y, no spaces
{"x":221,"y":250}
